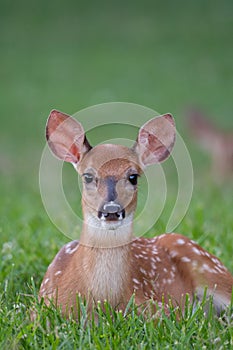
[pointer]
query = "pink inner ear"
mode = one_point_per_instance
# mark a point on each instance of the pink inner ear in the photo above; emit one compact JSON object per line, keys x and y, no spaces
{"x":70,"y":155}
{"x":65,"y":137}
{"x":154,"y":150}
{"x":75,"y":153}
{"x":156,"y":138}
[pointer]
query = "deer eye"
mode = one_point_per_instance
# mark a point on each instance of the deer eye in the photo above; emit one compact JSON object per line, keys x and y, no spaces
{"x":133,"y":179}
{"x":88,"y":178}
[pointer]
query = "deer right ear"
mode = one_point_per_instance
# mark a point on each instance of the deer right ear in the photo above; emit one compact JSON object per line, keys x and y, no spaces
{"x":156,"y":139}
{"x":66,"y":137}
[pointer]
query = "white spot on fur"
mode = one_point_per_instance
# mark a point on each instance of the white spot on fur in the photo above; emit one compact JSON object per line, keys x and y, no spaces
{"x":185,"y":259}
{"x":196,"y":251}
{"x":206,"y":267}
{"x":173,"y":253}
{"x":172,"y":274}
{"x":218,"y":269}
{"x":215,"y":261}
{"x":143,"y":270}
{"x":135,"y":281}
{"x":180,"y":241}
{"x":153,"y":266}
{"x":46,"y":281}
{"x":57,"y":273}
{"x":69,"y":249}
{"x":151,"y":274}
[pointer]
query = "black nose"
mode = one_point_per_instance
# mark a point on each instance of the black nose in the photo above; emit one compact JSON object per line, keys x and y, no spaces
{"x":111,"y":211}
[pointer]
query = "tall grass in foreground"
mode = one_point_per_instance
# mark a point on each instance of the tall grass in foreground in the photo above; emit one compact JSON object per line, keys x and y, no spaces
{"x":194,"y":329}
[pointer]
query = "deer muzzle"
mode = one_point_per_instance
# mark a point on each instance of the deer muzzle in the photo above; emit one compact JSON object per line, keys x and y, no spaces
{"x":111,"y":211}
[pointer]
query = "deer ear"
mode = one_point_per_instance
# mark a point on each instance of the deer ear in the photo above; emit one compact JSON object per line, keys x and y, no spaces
{"x":156,"y":139}
{"x":66,"y":137}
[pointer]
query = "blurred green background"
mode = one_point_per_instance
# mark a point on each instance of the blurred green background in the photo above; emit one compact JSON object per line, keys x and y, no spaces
{"x":70,"y":55}
{"x":166,"y":55}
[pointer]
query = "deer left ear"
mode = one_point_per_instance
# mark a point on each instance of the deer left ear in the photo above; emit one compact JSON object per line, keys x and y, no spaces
{"x":156,"y":139}
{"x":66,"y":137}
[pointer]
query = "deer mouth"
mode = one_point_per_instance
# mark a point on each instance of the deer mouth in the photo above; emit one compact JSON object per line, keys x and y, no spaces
{"x":111,"y":212}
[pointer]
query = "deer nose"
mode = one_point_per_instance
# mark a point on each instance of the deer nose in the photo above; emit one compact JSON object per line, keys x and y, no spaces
{"x":111,"y":211}
{"x":111,"y":208}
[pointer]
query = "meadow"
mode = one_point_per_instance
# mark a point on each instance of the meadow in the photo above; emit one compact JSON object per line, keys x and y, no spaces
{"x":68,"y":55}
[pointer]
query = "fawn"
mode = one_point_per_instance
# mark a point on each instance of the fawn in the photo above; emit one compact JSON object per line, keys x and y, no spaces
{"x":109,"y":263}
{"x":216,"y":142}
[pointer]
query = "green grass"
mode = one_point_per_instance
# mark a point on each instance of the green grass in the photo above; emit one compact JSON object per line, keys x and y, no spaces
{"x":68,"y":55}
{"x":117,"y":330}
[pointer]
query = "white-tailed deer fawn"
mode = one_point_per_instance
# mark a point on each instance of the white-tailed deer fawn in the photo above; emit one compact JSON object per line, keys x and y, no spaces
{"x":109,"y":263}
{"x":216,"y":142}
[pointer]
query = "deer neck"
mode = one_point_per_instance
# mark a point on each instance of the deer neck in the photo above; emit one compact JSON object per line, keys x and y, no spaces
{"x":106,"y":269}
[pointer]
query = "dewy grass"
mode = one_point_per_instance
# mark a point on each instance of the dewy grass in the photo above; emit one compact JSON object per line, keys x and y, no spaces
{"x":193,"y":329}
